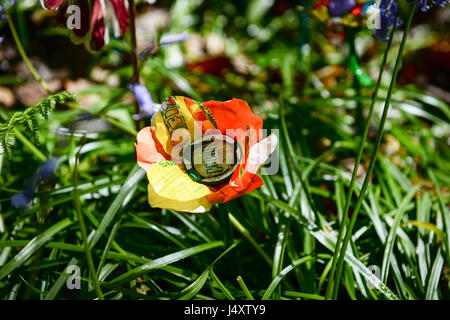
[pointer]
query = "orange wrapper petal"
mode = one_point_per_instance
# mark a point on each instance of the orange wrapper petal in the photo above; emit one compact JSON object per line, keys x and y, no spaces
{"x":246,"y":180}
{"x":146,"y":149}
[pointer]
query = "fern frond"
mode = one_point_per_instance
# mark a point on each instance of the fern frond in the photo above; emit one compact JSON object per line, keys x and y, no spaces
{"x":45,"y":106}
{"x":32,"y":126}
{"x":7,"y":142}
{"x":29,"y":119}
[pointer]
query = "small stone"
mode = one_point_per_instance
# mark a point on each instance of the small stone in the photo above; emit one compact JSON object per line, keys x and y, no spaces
{"x":7,"y":97}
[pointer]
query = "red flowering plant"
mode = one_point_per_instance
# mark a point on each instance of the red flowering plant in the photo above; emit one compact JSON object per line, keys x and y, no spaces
{"x":198,"y":154}
{"x":91,"y":22}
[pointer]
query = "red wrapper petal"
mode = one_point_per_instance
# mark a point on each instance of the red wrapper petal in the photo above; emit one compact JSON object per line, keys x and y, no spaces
{"x":148,"y":150}
{"x":234,"y":114}
{"x":97,"y":26}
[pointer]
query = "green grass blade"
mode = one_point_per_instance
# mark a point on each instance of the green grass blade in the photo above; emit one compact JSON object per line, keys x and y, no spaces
{"x":221,"y":286}
{"x":389,"y":245}
{"x":244,"y":288}
{"x":125,"y":193}
{"x":435,"y":274}
{"x":190,"y":292}
{"x":166,"y":260}
{"x":276,"y":281}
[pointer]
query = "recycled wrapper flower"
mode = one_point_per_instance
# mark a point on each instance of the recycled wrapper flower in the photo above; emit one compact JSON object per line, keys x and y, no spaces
{"x":96,"y":19}
{"x":198,"y":154}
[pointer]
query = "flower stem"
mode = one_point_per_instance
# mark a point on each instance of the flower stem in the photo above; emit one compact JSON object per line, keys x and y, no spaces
{"x":83,"y":228}
{"x":344,"y":222}
{"x":248,"y":236}
{"x":305,"y":45}
{"x":224,"y":222}
{"x":24,"y":56}
{"x":373,"y":155}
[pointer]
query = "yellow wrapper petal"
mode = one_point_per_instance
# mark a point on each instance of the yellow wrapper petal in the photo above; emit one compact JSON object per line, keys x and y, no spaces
{"x":162,"y":133}
{"x":170,"y":187}
{"x":195,"y":206}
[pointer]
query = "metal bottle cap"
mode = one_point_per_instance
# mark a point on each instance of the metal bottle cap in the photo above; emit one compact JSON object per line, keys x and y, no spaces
{"x":212,"y":159}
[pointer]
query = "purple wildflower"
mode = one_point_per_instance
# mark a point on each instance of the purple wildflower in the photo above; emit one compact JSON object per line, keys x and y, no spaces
{"x":144,"y":99}
{"x":441,"y":3}
{"x":173,"y":38}
{"x":2,"y":14}
{"x":22,"y":199}
{"x":388,"y":9}
{"x":45,"y":172}
{"x":337,"y":8}
{"x":4,"y":7}
{"x":425,"y":5}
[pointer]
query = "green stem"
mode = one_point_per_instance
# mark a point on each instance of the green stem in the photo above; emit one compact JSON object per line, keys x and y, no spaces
{"x":38,"y":78}
{"x":348,"y":199}
{"x":83,"y":229}
{"x":247,"y":235}
{"x":24,"y":56}
{"x":305,"y":46}
{"x":374,"y":152}
{"x":134,"y":55}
